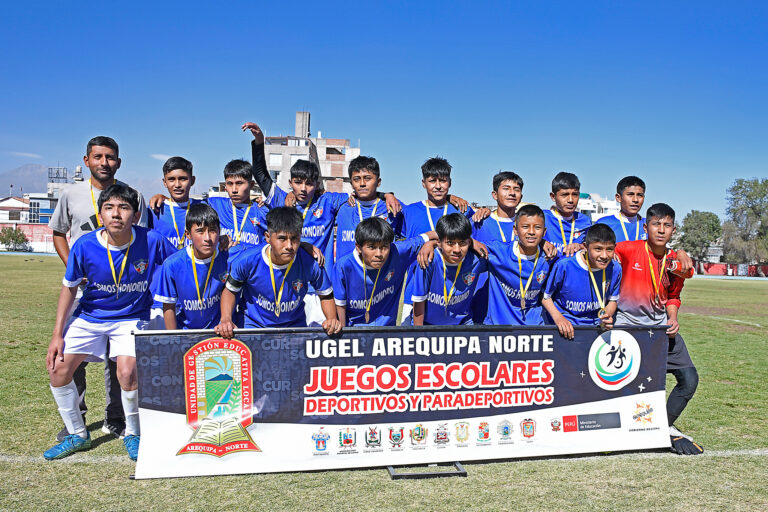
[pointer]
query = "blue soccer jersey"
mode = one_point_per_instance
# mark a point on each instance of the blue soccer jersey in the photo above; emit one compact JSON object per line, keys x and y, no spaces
{"x":571,"y":289}
{"x":353,"y":293}
{"x":197,"y":301}
{"x":504,"y":275}
{"x":625,"y":229}
{"x":171,"y":221}
{"x":103,"y":299}
{"x":494,"y":228}
{"x":454,"y":285}
{"x":243,"y":224}
{"x":561,"y":232}
{"x":418,"y":219}
{"x":350,"y":216}
{"x":319,"y":217}
{"x":250,"y":272}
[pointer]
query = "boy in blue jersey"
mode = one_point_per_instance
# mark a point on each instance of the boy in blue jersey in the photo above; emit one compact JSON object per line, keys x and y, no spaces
{"x":566,"y":227}
{"x":517,"y":272}
{"x":367,"y":282}
{"x":443,"y":291}
{"x":583,"y":289}
{"x":275,"y":277}
{"x":507,"y":192}
{"x":627,"y":225}
{"x":117,"y":262}
{"x":169,"y":218}
{"x":191,"y":281}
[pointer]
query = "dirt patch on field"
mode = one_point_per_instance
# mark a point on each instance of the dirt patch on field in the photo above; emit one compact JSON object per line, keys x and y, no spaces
{"x":736,"y":328}
{"x":709,"y":311}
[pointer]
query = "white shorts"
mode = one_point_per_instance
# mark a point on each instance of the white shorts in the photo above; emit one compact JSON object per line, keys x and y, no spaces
{"x":90,"y":338}
{"x":313,"y":310}
{"x":156,"y":320}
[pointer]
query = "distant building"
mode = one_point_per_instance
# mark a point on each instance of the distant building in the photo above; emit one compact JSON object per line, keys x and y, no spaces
{"x":596,"y":206}
{"x":331,"y":155}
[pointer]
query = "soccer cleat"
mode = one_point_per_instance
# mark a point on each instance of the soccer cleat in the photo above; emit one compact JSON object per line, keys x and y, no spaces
{"x":114,"y":427}
{"x":683,"y":444}
{"x":72,"y":443}
{"x":63,"y":433}
{"x":131,"y":443}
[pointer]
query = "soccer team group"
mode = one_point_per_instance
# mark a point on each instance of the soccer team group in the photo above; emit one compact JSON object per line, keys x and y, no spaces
{"x":309,"y":257}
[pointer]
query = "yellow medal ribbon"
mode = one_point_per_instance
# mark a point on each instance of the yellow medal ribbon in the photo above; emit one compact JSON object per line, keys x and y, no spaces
{"x":122,"y":266}
{"x":194,"y":272}
{"x":600,"y":297}
{"x":562,"y":231}
{"x":624,"y":229}
{"x":360,"y":211}
{"x":365,"y":289}
{"x":429,"y":215}
{"x":447,"y":296}
{"x":176,"y":227}
{"x":239,"y":232}
{"x":309,"y":205}
{"x":523,"y":290}
{"x":278,"y":294}
{"x":651,"y":266}
{"x":93,"y":201}
{"x":495,"y":215}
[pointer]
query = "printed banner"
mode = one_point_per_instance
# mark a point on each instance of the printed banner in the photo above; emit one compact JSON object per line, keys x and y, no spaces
{"x":294,"y":400}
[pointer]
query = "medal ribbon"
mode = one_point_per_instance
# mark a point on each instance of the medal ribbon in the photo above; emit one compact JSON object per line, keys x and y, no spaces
{"x":360,"y":211}
{"x":530,"y":278}
{"x":562,"y":231}
{"x":239,"y":232}
{"x":653,"y":274}
{"x":498,"y":223}
{"x":309,"y":205}
{"x":600,"y":297}
{"x":624,"y":229}
{"x":365,"y":288}
{"x":194,"y":272}
{"x":278,"y":294}
{"x":429,"y":215}
{"x":93,"y":201}
{"x":122,"y":266}
{"x":447,"y":296}
{"x":176,"y":227}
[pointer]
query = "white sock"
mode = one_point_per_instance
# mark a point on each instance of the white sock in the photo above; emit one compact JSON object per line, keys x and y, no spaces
{"x":130,"y":401}
{"x":68,"y":401}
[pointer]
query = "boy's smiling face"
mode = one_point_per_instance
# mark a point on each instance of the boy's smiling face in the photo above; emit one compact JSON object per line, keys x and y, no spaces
{"x":103,"y":163}
{"x":566,"y":200}
{"x":437,"y":188}
{"x":454,"y":250}
{"x":374,"y":254}
{"x":508,"y":195}
{"x":178,"y":182}
{"x":530,"y":230}
{"x":365,"y":184}
{"x":600,"y":254}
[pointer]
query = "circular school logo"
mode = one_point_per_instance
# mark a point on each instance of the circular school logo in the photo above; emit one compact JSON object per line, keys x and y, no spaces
{"x":614,"y":360}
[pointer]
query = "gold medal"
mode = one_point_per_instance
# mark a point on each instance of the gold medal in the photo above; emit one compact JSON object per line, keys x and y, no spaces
{"x":524,"y":289}
{"x":601,"y":312}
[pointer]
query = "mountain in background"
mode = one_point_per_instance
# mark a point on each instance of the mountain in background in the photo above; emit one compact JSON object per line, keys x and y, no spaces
{"x":27,"y":178}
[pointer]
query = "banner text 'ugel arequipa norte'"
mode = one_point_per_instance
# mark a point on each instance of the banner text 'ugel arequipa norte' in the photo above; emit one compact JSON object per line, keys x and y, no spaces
{"x":294,"y":400}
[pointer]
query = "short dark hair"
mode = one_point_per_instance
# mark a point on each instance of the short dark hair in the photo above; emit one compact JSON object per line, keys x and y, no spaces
{"x":364,"y":163}
{"x":565,"y":180}
{"x":238,"y":169}
{"x":436,"y":167}
{"x":529,"y":210}
{"x":660,"y":211}
{"x":284,"y":219}
{"x":453,"y":226}
{"x":599,"y":233}
{"x":120,"y":191}
{"x":374,"y":230}
{"x":102,"y":140}
{"x":503,"y":176}
{"x":629,"y":181}
{"x":202,"y":215}
{"x":305,"y":170}
{"x":177,"y":162}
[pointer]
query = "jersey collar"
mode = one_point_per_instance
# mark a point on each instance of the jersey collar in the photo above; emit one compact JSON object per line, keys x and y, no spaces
{"x":206,"y":260}
{"x":103,"y":241}
{"x":516,"y":250}
{"x":266,"y":259}
{"x":438,"y":251}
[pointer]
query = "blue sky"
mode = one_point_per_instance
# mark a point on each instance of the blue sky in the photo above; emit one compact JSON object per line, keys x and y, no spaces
{"x":672,"y":92}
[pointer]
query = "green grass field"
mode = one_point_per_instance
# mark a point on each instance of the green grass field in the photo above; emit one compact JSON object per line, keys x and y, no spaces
{"x":724,"y":323}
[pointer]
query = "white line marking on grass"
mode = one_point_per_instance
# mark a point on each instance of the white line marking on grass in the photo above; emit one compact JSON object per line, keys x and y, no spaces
{"x":82,"y":458}
{"x":725,"y":319}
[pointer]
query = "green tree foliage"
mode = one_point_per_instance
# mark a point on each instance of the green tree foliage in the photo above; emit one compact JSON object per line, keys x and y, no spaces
{"x":745,"y":234}
{"x":698,"y":231}
{"x":14,"y":239}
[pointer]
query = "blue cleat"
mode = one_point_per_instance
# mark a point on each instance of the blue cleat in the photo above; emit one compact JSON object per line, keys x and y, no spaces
{"x":71,"y":444}
{"x":131,"y":443}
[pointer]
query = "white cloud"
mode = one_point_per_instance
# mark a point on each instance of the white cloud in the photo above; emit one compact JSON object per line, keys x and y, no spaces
{"x":25,"y":155}
{"x":160,"y":157}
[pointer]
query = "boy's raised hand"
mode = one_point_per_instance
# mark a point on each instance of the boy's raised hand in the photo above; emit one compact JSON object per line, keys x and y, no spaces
{"x":480,"y":214}
{"x":426,"y":253}
{"x":316,"y":253}
{"x":156,"y":201}
{"x":290,"y":199}
{"x":550,"y":251}
{"x":393,"y":205}
{"x":258,"y":135}
{"x":480,"y":248}
{"x":571,"y":249}
{"x":459,"y":203}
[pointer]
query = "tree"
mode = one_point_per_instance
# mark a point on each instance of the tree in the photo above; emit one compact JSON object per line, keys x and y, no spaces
{"x":699,"y":230}
{"x":14,"y":239}
{"x":745,"y":234}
